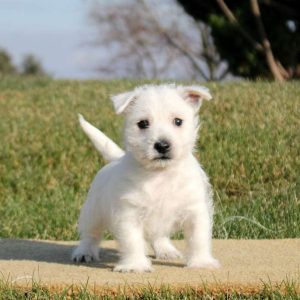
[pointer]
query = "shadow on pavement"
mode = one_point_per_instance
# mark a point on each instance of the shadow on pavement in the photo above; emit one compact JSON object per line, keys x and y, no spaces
{"x":51,"y":252}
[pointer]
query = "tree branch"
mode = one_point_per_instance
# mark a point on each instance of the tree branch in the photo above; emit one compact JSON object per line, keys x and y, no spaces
{"x":174,"y":43}
{"x":232,"y":19}
{"x":265,"y":42}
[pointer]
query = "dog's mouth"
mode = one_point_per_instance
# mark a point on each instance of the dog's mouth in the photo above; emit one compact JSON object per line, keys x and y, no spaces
{"x":162,"y":157}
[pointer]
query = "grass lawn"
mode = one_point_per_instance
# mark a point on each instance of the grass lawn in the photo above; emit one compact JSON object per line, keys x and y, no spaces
{"x":284,"y":291}
{"x":249,"y":145}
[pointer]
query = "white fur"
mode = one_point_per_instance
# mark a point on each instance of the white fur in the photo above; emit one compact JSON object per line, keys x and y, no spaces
{"x":103,"y":144}
{"x":139,"y":197}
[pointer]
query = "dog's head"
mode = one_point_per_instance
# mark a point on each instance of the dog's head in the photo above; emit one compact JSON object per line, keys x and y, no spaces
{"x":161,"y":122}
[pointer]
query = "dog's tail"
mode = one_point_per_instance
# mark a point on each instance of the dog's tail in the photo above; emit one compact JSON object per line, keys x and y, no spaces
{"x":109,"y":150}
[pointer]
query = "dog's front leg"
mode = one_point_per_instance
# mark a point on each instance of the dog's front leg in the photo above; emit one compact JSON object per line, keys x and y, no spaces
{"x":132,"y":247}
{"x":198,"y":231}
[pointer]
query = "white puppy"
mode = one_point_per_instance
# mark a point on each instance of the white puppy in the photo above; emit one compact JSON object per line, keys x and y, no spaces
{"x":153,"y":188}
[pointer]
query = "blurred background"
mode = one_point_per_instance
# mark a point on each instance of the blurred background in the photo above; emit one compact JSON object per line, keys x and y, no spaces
{"x":146,"y":39}
{"x":249,"y":141}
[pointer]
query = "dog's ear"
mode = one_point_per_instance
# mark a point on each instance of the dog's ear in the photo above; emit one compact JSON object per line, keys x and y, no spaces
{"x":194,"y":95}
{"x":122,"y":101}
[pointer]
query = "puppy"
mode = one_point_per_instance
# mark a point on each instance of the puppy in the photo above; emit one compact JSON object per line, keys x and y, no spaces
{"x":153,"y":188}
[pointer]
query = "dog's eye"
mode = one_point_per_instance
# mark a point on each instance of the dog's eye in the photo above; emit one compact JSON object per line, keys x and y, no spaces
{"x":178,"y":122}
{"x":143,"y":124}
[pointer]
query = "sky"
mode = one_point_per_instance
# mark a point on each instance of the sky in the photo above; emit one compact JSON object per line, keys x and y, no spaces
{"x":60,"y":32}
{"x":56,"y":31}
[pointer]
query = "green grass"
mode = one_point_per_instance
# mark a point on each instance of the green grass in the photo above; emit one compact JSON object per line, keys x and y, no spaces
{"x":249,"y":145}
{"x":285,"y":290}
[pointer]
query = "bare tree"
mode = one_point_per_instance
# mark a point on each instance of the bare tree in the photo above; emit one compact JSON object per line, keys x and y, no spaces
{"x":139,"y":40}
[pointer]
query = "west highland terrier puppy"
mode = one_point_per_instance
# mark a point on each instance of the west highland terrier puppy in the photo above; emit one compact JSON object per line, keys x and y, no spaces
{"x":153,"y":188}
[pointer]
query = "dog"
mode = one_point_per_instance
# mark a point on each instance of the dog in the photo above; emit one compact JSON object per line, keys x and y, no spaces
{"x":154,"y":187}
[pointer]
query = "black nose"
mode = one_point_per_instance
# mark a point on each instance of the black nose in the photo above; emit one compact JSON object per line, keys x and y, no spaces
{"x":162,"y":146}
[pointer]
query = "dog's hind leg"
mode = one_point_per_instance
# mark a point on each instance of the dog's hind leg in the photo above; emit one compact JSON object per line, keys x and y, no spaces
{"x":164,"y":249}
{"x":88,"y":249}
{"x":90,"y":229}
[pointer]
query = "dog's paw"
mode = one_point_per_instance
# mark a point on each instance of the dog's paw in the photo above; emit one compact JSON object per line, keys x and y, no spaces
{"x":84,"y":258}
{"x":134,"y":267}
{"x":85,"y":255}
{"x":165,"y":250}
{"x":167,"y":254}
{"x":203,"y":263}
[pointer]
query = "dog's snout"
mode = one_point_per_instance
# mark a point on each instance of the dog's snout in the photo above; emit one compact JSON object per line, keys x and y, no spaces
{"x":162,"y":146}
